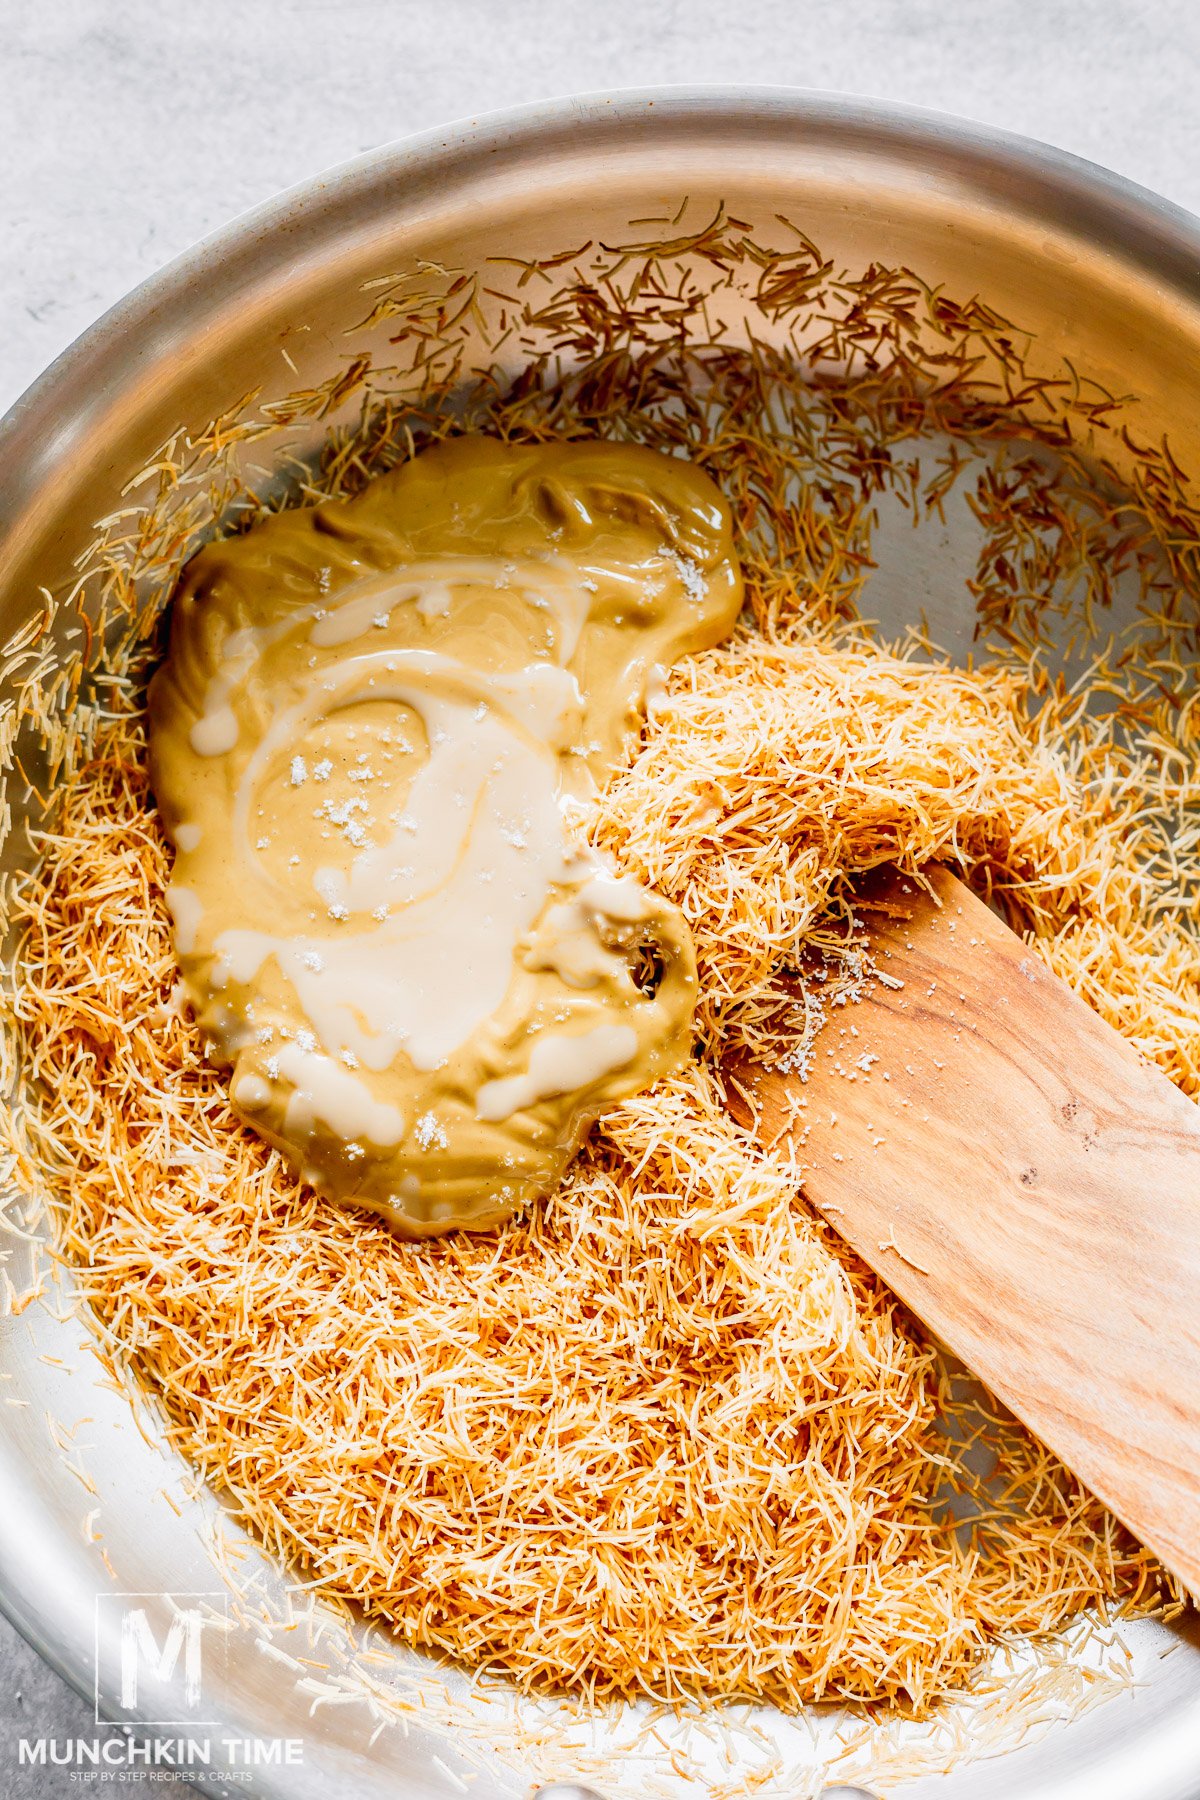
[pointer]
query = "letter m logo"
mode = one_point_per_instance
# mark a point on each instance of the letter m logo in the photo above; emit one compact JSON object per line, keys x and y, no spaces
{"x":140,"y":1649}
{"x":157,"y":1660}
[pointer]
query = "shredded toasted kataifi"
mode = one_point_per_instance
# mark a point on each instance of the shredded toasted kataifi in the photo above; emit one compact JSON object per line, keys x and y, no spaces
{"x":664,"y":1435}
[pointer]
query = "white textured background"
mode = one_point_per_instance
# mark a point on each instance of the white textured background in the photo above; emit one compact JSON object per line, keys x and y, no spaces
{"x":129,"y":128}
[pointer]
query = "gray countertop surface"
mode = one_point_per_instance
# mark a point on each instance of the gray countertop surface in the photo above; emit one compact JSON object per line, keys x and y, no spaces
{"x":129,"y":128}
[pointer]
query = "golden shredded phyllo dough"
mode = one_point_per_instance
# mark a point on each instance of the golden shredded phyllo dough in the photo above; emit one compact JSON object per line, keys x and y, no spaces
{"x":662,"y":1434}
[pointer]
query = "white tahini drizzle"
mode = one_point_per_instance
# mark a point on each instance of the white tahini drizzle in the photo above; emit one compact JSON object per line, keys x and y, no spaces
{"x":558,"y":1064}
{"x":413,"y":945}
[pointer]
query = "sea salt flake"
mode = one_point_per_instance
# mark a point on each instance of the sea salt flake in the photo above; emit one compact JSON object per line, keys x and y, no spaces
{"x":429,"y":1132}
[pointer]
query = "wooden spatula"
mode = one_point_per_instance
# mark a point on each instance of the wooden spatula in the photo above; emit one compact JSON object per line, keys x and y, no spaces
{"x":1025,"y":1181}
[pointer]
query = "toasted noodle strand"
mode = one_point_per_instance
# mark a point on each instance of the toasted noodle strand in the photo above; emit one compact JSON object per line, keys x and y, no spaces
{"x":664,"y":1435}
